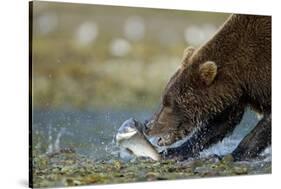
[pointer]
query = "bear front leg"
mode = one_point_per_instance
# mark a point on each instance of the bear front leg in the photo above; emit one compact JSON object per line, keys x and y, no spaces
{"x":256,"y":141}
{"x":209,"y":134}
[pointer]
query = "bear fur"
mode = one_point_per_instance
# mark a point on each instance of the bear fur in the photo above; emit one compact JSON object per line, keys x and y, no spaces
{"x":206,"y":98}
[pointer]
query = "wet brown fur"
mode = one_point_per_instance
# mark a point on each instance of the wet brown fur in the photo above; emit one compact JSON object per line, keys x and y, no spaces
{"x":240,"y":76}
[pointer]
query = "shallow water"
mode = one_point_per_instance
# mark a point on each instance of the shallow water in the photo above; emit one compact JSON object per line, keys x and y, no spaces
{"x":91,"y":133}
{"x":97,"y":160}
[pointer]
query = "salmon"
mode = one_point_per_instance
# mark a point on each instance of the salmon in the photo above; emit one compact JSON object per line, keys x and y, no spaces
{"x":130,"y":136}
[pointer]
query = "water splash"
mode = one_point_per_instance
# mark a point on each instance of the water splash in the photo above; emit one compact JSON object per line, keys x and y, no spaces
{"x":50,"y":139}
{"x":54,"y":145}
{"x":57,"y":141}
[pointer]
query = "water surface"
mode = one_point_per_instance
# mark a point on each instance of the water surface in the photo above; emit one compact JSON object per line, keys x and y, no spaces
{"x":91,"y":132}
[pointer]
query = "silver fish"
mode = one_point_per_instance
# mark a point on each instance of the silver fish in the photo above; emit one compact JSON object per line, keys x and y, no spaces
{"x":131,"y":138}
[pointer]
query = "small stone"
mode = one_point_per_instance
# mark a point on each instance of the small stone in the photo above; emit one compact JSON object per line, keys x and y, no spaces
{"x":227,"y":159}
{"x":240,"y":170}
{"x":157,"y":164}
{"x":117,"y":164}
{"x":171,"y":169}
{"x":151,"y":176}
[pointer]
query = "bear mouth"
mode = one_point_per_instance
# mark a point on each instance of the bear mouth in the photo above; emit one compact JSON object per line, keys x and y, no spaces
{"x":170,"y":137}
{"x":174,"y":138}
{"x":165,"y":140}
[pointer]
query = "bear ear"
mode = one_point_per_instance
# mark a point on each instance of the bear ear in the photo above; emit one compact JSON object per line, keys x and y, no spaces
{"x":187,"y":53}
{"x":208,"y":72}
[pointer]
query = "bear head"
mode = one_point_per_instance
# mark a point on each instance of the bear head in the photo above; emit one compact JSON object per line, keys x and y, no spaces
{"x":195,"y":95}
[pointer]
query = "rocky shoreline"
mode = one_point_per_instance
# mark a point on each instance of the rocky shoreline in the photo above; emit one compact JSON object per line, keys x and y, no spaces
{"x":71,"y":169}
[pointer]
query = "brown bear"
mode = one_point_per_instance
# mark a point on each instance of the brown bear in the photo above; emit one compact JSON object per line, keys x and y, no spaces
{"x":206,"y":98}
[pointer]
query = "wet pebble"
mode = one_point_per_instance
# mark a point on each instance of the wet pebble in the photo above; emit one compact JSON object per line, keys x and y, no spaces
{"x":84,"y":171}
{"x":240,"y":170}
{"x":227,"y":159}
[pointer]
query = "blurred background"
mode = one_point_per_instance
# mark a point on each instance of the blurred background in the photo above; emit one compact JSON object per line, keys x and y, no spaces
{"x":95,"y":66}
{"x":89,"y":56}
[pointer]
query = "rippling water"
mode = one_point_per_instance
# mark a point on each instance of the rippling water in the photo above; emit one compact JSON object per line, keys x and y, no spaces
{"x":88,"y":132}
{"x":91,"y":132}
